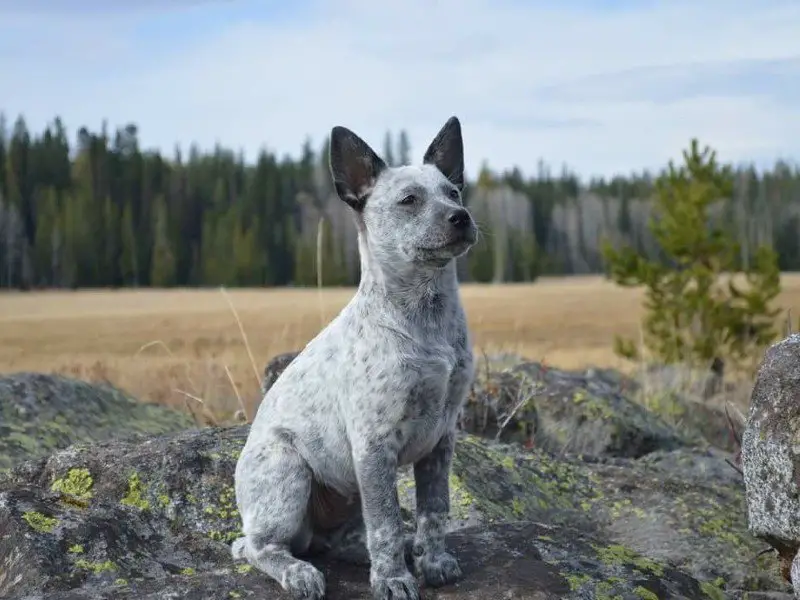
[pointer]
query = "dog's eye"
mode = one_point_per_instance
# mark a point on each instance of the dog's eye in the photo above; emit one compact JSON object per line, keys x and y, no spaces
{"x":453,"y":194}
{"x":408,"y":200}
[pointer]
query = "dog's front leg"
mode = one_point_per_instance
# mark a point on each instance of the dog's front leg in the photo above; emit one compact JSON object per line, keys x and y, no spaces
{"x":376,"y":469}
{"x":431,"y":475}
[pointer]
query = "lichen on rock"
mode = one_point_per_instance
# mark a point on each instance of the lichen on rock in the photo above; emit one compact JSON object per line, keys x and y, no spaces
{"x":771,"y":452}
{"x":40,"y":413}
{"x":643,"y":513}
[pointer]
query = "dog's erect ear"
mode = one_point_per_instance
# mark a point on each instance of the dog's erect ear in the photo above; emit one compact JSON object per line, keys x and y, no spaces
{"x":354,"y":167}
{"x":446,"y":152}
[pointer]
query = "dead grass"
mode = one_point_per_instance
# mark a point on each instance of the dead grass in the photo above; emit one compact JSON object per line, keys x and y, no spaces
{"x":167,"y":346}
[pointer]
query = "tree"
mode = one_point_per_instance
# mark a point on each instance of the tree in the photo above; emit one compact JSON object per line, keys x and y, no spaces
{"x":128,"y":265}
{"x":388,"y":149}
{"x":702,"y":306}
{"x":162,"y":270}
{"x":403,"y":149}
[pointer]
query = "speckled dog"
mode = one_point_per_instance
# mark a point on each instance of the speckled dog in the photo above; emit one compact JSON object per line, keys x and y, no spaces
{"x":381,"y":386}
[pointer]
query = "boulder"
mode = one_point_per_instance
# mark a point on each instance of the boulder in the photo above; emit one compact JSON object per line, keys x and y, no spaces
{"x":41,"y":412}
{"x":274,"y":369}
{"x":153,"y":519}
{"x":565,"y":411}
{"x":771,"y":454}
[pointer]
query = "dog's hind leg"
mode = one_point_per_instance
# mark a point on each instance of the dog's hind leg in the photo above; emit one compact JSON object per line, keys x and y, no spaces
{"x":273,"y":485}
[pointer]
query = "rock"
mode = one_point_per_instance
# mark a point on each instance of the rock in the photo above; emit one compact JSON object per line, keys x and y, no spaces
{"x":771,"y":452}
{"x":566,"y":411}
{"x":153,"y":519}
{"x":274,"y":369}
{"x":676,"y":394}
{"x":40,"y":413}
{"x":515,"y":560}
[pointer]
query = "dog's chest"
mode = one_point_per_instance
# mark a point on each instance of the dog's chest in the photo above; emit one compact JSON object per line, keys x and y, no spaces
{"x":438,"y":378}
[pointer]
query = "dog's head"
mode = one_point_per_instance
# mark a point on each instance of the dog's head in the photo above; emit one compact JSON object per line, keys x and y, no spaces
{"x":410,"y":214}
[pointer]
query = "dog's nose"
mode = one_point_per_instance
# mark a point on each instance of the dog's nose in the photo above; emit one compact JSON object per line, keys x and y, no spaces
{"x":459,"y":218}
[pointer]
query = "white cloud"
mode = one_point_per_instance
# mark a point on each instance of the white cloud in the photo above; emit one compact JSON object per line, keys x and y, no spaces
{"x":604,"y":92}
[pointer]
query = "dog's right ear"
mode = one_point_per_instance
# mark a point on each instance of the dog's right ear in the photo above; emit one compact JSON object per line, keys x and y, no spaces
{"x":354,"y":167}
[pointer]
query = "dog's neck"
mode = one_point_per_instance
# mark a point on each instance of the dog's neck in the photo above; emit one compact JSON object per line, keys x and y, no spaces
{"x":413,"y":289}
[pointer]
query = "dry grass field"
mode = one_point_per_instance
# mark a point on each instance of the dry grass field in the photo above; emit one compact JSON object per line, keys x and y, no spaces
{"x":172,"y":346}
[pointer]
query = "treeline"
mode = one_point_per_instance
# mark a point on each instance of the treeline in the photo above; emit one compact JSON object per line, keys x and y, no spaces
{"x":103,"y":212}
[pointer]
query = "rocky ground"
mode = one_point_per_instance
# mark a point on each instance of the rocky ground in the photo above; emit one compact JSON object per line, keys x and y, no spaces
{"x":563,"y":486}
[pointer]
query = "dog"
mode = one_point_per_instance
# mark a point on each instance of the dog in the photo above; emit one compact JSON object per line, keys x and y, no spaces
{"x":380,"y":387}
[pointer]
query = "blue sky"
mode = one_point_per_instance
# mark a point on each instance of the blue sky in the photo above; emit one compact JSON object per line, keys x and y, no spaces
{"x":605,"y":86}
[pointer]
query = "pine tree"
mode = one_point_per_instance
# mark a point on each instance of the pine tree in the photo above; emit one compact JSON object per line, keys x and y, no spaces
{"x":128,"y":263}
{"x":46,"y":224}
{"x":162,"y":269}
{"x":403,"y":149}
{"x":697,"y":310}
{"x":388,"y":150}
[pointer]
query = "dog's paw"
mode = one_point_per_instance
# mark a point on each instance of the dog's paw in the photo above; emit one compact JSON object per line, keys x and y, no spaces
{"x":303,"y":581}
{"x":395,"y":588}
{"x":438,"y":570}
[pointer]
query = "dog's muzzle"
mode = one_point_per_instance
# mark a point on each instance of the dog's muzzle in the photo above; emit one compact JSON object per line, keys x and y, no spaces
{"x":465,"y":228}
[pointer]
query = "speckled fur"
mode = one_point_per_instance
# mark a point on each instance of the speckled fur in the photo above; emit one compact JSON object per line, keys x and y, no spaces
{"x":380,"y":387}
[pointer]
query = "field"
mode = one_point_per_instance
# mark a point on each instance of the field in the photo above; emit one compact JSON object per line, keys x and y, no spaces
{"x":184,"y":347}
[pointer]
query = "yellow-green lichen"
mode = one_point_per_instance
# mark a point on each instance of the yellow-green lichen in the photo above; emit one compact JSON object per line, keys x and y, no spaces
{"x":518,"y":507}
{"x":620,"y":555}
{"x":576,"y":582}
{"x":135,"y":496}
{"x":76,"y":549}
{"x":604,"y":589}
{"x":77,"y":484}
{"x":593,"y":407}
{"x":243,"y":569}
{"x":120,"y":581}
{"x":234,"y":594}
{"x":644,"y":593}
{"x":713,"y":589}
{"x":39,"y":522}
{"x":539,"y":481}
{"x":228,"y":536}
{"x":461,"y":501}
{"x":95,"y":567}
{"x":719,"y":524}
{"x":187,"y":571}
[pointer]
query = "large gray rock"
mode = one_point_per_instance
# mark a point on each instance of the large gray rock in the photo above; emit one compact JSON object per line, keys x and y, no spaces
{"x":771,"y":454}
{"x":40,"y":413}
{"x":582,"y":412}
{"x":153,"y":519}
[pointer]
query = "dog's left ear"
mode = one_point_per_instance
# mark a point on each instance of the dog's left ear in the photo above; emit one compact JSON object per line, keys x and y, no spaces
{"x":446,"y":152}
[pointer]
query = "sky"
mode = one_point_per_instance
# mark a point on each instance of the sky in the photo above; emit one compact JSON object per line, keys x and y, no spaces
{"x":603,"y":86}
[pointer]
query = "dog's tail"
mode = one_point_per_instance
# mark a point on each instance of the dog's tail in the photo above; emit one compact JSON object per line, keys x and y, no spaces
{"x":238,"y":548}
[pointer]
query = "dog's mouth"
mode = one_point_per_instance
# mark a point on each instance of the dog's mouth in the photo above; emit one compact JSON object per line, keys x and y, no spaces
{"x":464,"y":240}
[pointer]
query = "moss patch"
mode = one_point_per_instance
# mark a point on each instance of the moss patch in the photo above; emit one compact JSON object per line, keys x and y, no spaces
{"x":75,"y":487}
{"x":617,"y":554}
{"x":644,"y":593}
{"x":39,"y":522}
{"x":95,"y":567}
{"x":713,"y":589}
{"x":135,"y":496}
